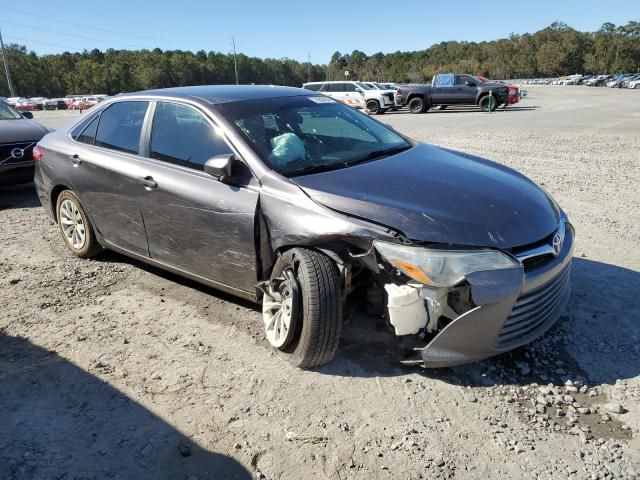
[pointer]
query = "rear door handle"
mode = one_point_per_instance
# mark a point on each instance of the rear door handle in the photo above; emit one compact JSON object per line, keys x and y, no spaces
{"x":75,"y":159}
{"x":148,"y":182}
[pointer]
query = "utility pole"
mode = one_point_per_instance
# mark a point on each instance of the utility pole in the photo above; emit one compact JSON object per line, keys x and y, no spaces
{"x":6,"y":67}
{"x":235,"y":62}
{"x":308,"y":66}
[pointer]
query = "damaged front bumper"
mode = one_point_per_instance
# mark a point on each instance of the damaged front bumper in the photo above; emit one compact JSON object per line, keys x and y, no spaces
{"x":511,"y":307}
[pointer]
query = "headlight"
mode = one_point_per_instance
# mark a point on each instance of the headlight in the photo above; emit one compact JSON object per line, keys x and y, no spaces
{"x":442,"y":268}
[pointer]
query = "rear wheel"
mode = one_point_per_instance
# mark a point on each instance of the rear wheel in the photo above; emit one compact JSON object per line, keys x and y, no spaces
{"x":75,"y":227}
{"x":417,"y":105}
{"x":302,"y":308}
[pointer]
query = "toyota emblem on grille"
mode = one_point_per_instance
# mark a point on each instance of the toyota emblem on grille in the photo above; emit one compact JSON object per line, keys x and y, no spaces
{"x":556,"y":243}
{"x":17,"y":153}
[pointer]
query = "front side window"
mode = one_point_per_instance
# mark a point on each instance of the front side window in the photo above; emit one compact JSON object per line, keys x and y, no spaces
{"x":120,"y":126}
{"x":313,"y":86}
{"x":306,"y":134}
{"x":350,"y":87}
{"x":461,"y":80}
{"x":181,"y":135}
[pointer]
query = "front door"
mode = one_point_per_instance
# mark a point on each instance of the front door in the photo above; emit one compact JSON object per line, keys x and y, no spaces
{"x":106,"y":172}
{"x":465,"y":89}
{"x":193,"y":221}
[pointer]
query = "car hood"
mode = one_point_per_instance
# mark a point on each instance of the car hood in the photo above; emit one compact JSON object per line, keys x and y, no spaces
{"x":431,"y":194}
{"x":21,"y":130}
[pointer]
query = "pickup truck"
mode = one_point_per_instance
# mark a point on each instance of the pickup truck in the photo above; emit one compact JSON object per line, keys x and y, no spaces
{"x":452,"y":89}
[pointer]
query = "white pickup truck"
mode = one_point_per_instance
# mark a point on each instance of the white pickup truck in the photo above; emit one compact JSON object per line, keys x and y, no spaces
{"x":355,"y":94}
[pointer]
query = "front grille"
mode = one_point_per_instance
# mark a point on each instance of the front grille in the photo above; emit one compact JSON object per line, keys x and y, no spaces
{"x":535,"y":311}
{"x":6,"y":157}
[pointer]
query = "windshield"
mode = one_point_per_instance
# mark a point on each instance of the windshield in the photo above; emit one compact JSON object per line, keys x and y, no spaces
{"x":299,"y":135}
{"x":364,"y":86}
{"x":8,"y":113}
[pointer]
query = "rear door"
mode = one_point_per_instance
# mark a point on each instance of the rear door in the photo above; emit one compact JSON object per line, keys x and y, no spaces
{"x":443,"y":89}
{"x":334,"y":90}
{"x":106,"y":172}
{"x":193,"y":221}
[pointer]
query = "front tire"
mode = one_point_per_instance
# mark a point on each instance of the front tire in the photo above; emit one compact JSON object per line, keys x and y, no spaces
{"x":75,"y":227}
{"x":488,"y":103}
{"x":310,"y":299}
{"x":417,"y":105}
{"x":373,"y":106}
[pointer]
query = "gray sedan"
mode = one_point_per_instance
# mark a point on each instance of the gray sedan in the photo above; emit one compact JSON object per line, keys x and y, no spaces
{"x":288,"y":198}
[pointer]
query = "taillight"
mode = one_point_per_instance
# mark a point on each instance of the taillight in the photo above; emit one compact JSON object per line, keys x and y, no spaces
{"x":38,"y":153}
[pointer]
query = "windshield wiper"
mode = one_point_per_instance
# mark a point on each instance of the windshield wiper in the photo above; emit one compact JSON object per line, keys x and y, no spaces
{"x":378,"y":154}
{"x":320,"y":167}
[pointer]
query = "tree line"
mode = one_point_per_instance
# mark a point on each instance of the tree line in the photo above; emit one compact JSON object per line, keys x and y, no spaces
{"x":552,"y":51}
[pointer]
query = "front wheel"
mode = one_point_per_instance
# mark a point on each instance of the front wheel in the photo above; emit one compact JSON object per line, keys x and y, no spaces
{"x":373,"y":106}
{"x":302,"y":308}
{"x":488,"y":103}
{"x":417,"y":105}
{"x":75,"y":227}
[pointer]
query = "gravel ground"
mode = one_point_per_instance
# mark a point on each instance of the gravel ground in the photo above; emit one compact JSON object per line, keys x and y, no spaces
{"x":112,"y":369}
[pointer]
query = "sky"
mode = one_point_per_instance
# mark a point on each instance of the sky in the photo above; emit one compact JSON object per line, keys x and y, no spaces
{"x":287,"y":28}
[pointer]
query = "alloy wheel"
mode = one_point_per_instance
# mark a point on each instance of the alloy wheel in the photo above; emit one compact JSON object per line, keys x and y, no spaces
{"x":73,"y":226}
{"x":280,"y":310}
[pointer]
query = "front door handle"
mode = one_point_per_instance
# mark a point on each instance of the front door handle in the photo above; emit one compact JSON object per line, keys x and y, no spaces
{"x":75,"y":159}
{"x":148,"y":182}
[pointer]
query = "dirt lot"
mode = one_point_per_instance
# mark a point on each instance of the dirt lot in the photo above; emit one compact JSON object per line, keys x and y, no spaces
{"x":110,"y":369}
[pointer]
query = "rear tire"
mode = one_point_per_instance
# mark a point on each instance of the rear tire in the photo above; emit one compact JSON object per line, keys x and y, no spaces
{"x":417,"y":105}
{"x":318,"y":320}
{"x":75,"y":227}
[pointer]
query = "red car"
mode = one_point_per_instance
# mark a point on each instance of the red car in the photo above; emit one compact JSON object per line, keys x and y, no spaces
{"x":514,"y":93}
{"x":80,"y":105}
{"x":28,"y":106}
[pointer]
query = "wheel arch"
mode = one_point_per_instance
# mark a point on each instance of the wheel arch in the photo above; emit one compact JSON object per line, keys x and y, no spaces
{"x":55,"y":193}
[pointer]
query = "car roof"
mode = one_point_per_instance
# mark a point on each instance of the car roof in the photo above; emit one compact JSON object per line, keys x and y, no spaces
{"x":223,"y":93}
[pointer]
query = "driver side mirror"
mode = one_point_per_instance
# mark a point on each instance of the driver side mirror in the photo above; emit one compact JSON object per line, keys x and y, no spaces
{"x":28,"y":115}
{"x":220,"y":166}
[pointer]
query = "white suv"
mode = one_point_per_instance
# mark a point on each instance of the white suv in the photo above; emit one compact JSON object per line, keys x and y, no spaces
{"x":355,"y":94}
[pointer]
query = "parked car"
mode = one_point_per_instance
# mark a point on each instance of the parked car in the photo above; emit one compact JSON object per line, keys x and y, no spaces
{"x":80,"y":104}
{"x":39,"y":101}
{"x":629,"y":80}
{"x":355,"y":94}
{"x":452,"y":89}
{"x":289,"y":198}
{"x":18,"y":136}
{"x":27,"y":105}
{"x":634,"y":83}
{"x":55,"y":104}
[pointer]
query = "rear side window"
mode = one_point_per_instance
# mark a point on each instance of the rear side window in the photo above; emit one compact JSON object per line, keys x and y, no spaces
{"x":333,"y":87}
{"x":88,"y":135}
{"x":445,"y":80}
{"x":120,"y":126}
{"x":181,"y":135}
{"x":314,"y":87}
